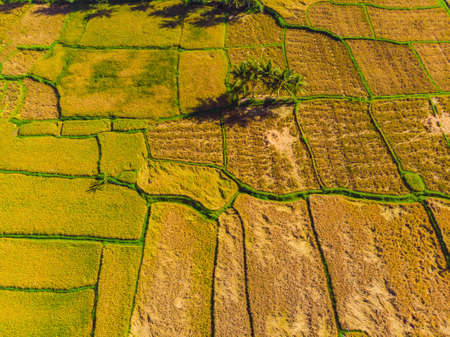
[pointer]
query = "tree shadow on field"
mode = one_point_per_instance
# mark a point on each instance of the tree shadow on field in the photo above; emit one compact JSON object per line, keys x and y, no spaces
{"x":174,"y":15}
{"x":242,"y":115}
{"x":7,"y":8}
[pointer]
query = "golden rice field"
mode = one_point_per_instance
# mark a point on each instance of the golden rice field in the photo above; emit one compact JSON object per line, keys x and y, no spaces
{"x":136,"y":201}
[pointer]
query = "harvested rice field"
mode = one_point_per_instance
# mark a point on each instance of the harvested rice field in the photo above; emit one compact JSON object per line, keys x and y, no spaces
{"x":269,"y":168}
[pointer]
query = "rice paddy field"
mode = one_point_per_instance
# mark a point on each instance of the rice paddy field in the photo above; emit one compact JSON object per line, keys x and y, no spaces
{"x":136,"y":201}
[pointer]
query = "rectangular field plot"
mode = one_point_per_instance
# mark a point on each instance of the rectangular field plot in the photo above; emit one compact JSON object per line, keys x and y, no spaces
{"x":390,"y":69}
{"x":231,"y":317}
{"x":158,"y":24}
{"x":11,"y":95}
{"x":436,"y":58}
{"x":174,"y":291}
{"x":47,"y":154}
{"x":40,"y":102}
{"x":66,"y":207}
{"x":116,"y":289}
{"x":441,"y":212}
{"x":202,"y":80}
{"x":348,"y":150}
{"x":193,"y":140}
{"x":132,"y":83}
{"x":286,"y":281}
{"x":55,"y":264}
{"x":122,"y":154}
{"x":420,"y":146}
{"x":264,"y":150}
{"x":325,"y":63}
{"x":253,"y":30}
{"x":386,"y":266}
{"x":44,"y":314}
{"x":410,"y":25}
{"x":341,"y":20}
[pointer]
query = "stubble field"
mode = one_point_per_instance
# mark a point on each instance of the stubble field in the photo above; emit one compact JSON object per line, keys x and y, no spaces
{"x":135,"y":201}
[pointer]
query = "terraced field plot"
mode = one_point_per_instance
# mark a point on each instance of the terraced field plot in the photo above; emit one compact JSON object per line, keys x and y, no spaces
{"x":136,"y":200}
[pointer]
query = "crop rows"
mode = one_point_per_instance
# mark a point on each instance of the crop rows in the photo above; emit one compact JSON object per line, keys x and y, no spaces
{"x":297,"y":167}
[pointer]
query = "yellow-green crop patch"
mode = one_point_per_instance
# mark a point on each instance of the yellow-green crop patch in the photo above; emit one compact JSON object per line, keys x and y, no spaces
{"x":44,"y":314}
{"x":128,"y":124}
{"x":47,"y":154}
{"x":69,"y":207}
{"x":51,"y":64}
{"x":40,"y":25}
{"x":122,"y":83}
{"x":202,"y":80}
{"x":125,"y":25}
{"x":81,"y":128}
{"x":54,"y":264}
{"x":122,"y":152}
{"x":207,"y":185}
{"x":204,"y":27}
{"x":116,"y":289}
{"x":41,"y":128}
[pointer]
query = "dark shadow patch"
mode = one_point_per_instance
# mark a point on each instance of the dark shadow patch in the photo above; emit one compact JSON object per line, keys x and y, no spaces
{"x":100,"y":13}
{"x":9,"y":7}
{"x":242,"y":115}
{"x":174,"y":15}
{"x":56,"y":9}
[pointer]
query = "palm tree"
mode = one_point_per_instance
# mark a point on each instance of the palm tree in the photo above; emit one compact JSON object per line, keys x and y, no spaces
{"x":253,"y":73}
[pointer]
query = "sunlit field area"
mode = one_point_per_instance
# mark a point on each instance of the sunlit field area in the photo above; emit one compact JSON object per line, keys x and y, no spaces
{"x":185,"y":169}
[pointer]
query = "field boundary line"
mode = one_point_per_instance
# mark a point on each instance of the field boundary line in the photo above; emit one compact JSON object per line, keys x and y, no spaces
{"x":424,"y":68}
{"x":144,"y":234}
